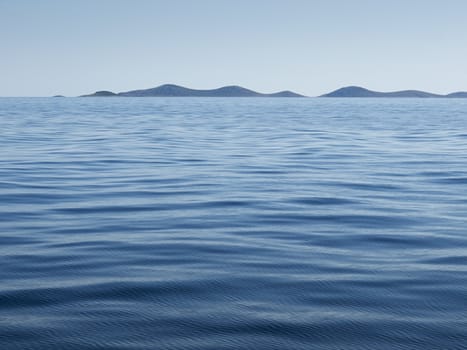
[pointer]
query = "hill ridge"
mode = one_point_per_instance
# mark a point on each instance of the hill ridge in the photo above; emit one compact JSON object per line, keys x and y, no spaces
{"x":358,"y":91}
{"x":172,"y":90}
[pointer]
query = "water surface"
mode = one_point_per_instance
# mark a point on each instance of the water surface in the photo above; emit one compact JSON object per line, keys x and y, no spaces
{"x":241,"y":223}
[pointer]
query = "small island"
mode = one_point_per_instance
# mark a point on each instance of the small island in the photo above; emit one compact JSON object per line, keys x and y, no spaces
{"x":357,"y":91}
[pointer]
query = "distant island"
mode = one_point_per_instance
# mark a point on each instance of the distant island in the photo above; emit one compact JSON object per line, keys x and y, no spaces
{"x":357,"y":91}
{"x":170,"y":90}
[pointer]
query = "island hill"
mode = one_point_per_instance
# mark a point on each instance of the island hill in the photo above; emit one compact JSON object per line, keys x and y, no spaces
{"x":357,"y":91}
{"x":170,"y":90}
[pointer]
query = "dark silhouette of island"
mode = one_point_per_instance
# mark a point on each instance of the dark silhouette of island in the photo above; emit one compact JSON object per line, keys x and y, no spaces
{"x":460,"y":94}
{"x":357,"y":91}
{"x":170,"y":90}
{"x":102,"y":94}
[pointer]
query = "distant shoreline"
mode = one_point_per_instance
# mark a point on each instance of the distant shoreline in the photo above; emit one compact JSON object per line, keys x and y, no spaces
{"x":171,"y":90}
{"x":357,"y":91}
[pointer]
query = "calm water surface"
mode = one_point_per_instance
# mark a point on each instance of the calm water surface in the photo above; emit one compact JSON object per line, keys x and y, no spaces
{"x":249,"y":223}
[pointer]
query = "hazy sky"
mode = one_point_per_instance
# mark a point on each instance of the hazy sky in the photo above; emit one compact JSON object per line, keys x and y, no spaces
{"x":75,"y":47}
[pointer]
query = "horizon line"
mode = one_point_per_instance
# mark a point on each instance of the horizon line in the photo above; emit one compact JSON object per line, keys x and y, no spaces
{"x":118,"y":94}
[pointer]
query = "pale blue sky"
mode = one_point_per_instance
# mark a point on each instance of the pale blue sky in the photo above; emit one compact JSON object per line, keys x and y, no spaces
{"x":74,"y":47}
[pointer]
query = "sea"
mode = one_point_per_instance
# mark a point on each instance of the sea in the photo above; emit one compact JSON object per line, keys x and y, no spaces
{"x":233,"y":223}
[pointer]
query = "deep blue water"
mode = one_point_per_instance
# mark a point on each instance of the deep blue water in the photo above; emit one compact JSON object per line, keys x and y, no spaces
{"x":249,"y":223}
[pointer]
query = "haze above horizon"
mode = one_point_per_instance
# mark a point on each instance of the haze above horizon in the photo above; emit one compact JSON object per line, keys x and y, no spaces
{"x":310,"y":47}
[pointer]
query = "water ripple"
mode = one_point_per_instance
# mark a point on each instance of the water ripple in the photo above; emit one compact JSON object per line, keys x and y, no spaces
{"x":221,"y":224}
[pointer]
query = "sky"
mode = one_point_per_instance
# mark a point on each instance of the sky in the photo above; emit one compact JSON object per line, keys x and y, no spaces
{"x":73,"y":47}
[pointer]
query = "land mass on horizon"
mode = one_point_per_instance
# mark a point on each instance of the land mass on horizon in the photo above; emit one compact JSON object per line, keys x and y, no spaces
{"x":171,"y":90}
{"x":357,"y":91}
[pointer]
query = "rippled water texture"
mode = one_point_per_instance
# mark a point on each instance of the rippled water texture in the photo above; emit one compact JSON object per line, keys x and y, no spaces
{"x":233,"y":223}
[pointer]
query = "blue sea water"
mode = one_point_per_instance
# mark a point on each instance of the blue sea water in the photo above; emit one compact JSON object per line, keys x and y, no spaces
{"x":249,"y":223}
